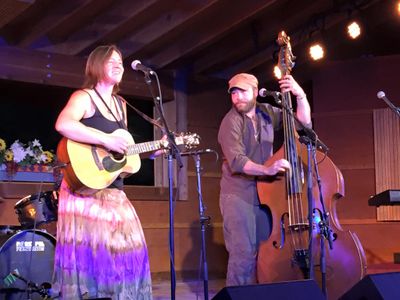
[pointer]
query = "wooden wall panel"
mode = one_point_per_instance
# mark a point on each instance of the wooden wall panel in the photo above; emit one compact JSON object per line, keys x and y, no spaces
{"x":379,"y":240}
{"x":344,"y":100}
{"x":7,"y":215}
{"x":359,"y":187}
{"x":208,"y":103}
{"x":349,"y":135}
{"x":387,"y":149}
{"x":351,"y":148}
{"x":351,"y":86}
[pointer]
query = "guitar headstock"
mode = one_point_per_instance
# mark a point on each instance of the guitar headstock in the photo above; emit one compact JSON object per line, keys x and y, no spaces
{"x":189,"y":140}
{"x":286,"y":57}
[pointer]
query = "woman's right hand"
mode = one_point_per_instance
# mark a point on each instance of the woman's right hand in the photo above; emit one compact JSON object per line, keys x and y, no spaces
{"x":115,"y":143}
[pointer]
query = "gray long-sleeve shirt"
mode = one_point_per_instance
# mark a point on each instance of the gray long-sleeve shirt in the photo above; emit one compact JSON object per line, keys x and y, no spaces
{"x":240,"y":143}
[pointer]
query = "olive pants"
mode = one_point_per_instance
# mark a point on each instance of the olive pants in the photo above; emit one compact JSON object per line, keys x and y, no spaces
{"x":245,"y":225}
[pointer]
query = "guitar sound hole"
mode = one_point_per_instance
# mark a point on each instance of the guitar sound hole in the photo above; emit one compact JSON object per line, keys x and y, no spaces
{"x":116,"y":155}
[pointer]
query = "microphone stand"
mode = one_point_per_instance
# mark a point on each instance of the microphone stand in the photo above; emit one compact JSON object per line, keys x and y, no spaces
{"x":323,"y":224}
{"x":313,"y":142}
{"x":204,"y":220}
{"x":310,"y":200}
{"x":325,"y":231}
{"x":173,"y":152}
{"x":32,"y":287}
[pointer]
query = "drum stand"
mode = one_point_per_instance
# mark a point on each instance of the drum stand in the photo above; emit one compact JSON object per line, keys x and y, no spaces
{"x":32,"y":287}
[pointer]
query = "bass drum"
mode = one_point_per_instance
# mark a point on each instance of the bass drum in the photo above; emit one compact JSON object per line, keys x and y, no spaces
{"x":29,"y":253}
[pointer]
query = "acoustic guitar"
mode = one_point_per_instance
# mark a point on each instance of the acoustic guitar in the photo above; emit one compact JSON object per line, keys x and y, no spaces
{"x":89,"y":168}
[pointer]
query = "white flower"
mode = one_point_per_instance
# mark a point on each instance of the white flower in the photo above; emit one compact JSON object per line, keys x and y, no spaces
{"x":36,"y":143}
{"x":29,"y":152}
{"x":42,"y":158}
{"x":18,"y":151}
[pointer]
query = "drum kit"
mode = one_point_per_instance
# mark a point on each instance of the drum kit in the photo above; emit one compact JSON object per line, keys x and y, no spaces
{"x":27,"y":251}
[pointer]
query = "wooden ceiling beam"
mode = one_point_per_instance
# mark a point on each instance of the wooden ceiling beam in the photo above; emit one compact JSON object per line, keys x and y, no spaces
{"x":50,"y":19}
{"x":78,"y":19}
{"x":62,"y":70}
{"x":11,"y":9}
{"x":161,"y":24}
{"x":254,"y":37}
{"x":112,"y":20}
{"x":206,"y":29}
{"x":332,"y":17}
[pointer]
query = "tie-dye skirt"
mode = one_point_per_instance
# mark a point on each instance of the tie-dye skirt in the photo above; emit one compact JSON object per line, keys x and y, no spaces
{"x":101,"y":250}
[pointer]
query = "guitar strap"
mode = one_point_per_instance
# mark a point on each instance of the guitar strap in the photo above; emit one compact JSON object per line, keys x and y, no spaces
{"x":143,"y":115}
{"x":119,"y":101}
{"x":121,"y":123}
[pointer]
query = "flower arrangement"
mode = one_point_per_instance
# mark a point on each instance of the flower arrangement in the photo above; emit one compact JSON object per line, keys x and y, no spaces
{"x":24,"y":156}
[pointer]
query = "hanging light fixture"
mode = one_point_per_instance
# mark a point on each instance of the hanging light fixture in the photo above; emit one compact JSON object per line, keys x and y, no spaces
{"x":354,"y":30}
{"x":316,"y":51}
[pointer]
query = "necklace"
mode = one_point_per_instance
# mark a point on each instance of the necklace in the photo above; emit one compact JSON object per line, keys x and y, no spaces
{"x":256,"y":127}
{"x":120,"y":122}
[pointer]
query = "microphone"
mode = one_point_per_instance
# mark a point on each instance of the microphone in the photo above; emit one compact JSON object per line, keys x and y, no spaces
{"x":311,"y":136}
{"x":381,"y":95}
{"x":137,"y":66}
{"x":264,"y":93}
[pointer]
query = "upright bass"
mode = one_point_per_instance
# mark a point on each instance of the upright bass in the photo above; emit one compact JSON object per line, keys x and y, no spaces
{"x":306,"y":241}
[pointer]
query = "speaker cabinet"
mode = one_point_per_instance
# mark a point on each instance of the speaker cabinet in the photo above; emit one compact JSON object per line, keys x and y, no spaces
{"x":385,"y":286}
{"x":288,"y":290}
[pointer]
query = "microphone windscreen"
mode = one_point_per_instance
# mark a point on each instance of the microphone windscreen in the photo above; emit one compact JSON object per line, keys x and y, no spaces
{"x":262,"y":92}
{"x":135,"y":63}
{"x":380,"y":94}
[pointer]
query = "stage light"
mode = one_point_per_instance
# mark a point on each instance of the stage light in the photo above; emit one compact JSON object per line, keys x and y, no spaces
{"x":316,"y":51}
{"x":398,"y":7}
{"x":354,"y":30}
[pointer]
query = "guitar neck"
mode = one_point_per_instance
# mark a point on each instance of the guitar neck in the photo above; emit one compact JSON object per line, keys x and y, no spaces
{"x":144,"y":147}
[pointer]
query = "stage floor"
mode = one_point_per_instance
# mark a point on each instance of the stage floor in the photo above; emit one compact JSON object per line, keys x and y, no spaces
{"x":186,"y":290}
{"x":194,"y":290}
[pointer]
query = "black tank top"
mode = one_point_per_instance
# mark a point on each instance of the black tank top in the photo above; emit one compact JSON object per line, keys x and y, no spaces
{"x":99,"y":122}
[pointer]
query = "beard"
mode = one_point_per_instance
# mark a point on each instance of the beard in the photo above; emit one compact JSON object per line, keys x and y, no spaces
{"x":246,"y":107}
